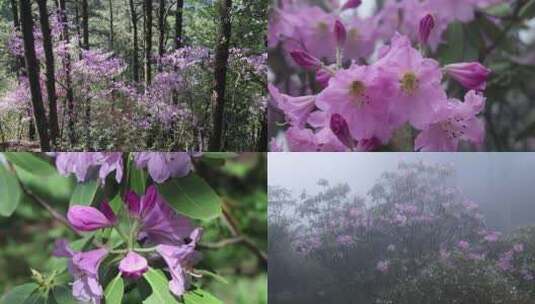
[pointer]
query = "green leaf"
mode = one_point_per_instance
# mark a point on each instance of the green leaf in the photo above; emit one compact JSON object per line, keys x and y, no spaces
{"x":212,"y":274}
{"x":19,"y":294}
{"x":528,"y":10}
{"x":200,"y":296}
{"x":30,"y":163}
{"x":84,"y":193}
{"x":63,"y":295}
{"x":220,"y":155}
{"x":10,"y":192}
{"x":160,"y":288}
{"x":115,"y":291}
{"x":36,"y":298}
{"x":138,"y":179}
{"x":452,"y":52}
{"x":192,"y":196}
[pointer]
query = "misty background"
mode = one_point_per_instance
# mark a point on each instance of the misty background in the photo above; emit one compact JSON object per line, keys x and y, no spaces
{"x":503,"y":184}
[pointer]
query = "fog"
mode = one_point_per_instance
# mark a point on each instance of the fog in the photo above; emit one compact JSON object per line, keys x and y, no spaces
{"x":503,"y":184}
{"x":402,"y":228}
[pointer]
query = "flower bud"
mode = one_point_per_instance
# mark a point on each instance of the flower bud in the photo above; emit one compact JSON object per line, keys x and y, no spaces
{"x":427,"y":24}
{"x":351,"y":4}
{"x":132,"y":201}
{"x":340,"y":34}
{"x":105,"y":208}
{"x":133,"y":266}
{"x":471,"y":75}
{"x":323,"y":77}
{"x":305,"y":60}
{"x":84,"y":218}
{"x":340,"y":128}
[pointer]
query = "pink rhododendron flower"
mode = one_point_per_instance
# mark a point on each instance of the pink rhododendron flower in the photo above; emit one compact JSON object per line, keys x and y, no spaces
{"x":84,"y":218}
{"x":159,"y":223}
{"x":164,"y":165}
{"x":180,"y":260}
{"x":362,"y":95}
{"x":454,"y":122}
{"x":83,"y":163}
{"x":383,"y":266}
{"x":133,"y":266}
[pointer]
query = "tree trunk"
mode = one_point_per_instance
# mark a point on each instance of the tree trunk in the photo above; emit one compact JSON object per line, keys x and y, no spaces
{"x":78,"y":27}
{"x":16,"y":24}
{"x":50,"y":73}
{"x":220,"y":74}
{"x":32,"y":67}
{"x":161,"y":28}
{"x":262,"y":145}
{"x":85,"y":25}
{"x":178,"y":23}
{"x":147,"y":9}
{"x":68,"y":83}
{"x":111,"y":24}
{"x":135,"y":63}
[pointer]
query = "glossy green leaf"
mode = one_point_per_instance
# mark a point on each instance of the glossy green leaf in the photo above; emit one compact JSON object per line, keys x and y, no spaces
{"x":138,"y":179}
{"x":19,"y":294}
{"x":63,"y":295}
{"x":160,"y":288}
{"x":10,"y":192}
{"x":84,"y":193}
{"x":31,"y":163}
{"x":115,"y":291}
{"x":192,"y":196}
{"x":200,"y":296}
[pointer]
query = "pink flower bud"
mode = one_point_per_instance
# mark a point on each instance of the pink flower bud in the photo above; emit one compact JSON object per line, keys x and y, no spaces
{"x":305,"y":60}
{"x":105,"y":208}
{"x":132,"y":201}
{"x":351,"y":4}
{"x":340,"y":33}
{"x":341,"y":130}
{"x":426,"y":26}
{"x":133,"y":266}
{"x":322,"y":78}
{"x":84,"y":218}
{"x":471,"y":75}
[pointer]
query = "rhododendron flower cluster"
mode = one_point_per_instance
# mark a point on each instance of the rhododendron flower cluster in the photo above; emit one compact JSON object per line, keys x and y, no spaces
{"x":160,"y":165}
{"x":353,"y":101}
{"x":152,"y":222}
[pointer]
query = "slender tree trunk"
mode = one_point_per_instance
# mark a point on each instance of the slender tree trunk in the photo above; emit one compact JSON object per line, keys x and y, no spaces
{"x":161,"y":28}
{"x":111,"y":23}
{"x":16,"y":24}
{"x":85,"y":25}
{"x":78,"y":27}
{"x":262,"y":145}
{"x":32,"y":67}
{"x":178,"y":24}
{"x":68,"y":82}
{"x":147,"y":8}
{"x":135,"y":63}
{"x":220,"y":74}
{"x":50,"y":72}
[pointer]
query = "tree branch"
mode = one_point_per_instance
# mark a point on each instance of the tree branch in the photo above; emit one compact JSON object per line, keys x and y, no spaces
{"x":233,"y":227}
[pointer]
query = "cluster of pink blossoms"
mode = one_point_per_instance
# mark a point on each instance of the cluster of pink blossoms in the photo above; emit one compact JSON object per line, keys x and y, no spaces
{"x":154,"y":222}
{"x":352,"y":105}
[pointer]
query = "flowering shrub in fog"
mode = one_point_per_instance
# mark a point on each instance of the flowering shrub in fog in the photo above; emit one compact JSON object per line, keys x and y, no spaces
{"x":355,"y":83}
{"x":133,"y":216}
{"x":415,"y":230}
